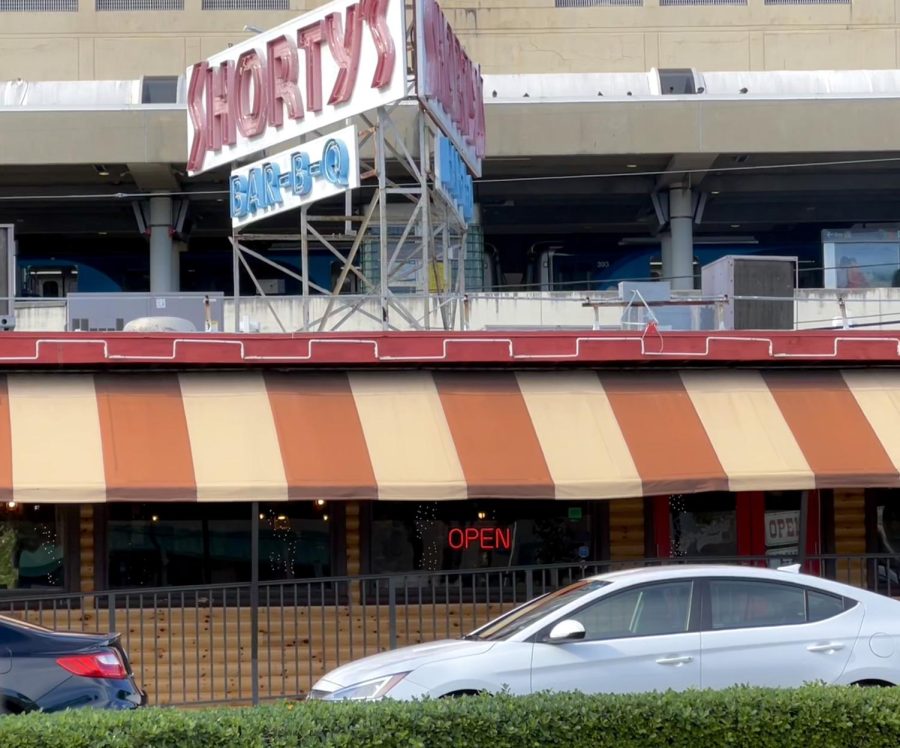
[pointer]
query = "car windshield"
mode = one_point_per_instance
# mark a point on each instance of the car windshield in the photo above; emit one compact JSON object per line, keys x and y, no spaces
{"x":522,"y":617}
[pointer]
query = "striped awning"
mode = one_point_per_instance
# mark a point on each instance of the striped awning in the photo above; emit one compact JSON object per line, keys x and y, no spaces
{"x":442,"y":435}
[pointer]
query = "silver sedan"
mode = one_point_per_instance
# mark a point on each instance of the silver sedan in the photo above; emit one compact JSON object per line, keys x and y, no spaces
{"x":651,"y":629}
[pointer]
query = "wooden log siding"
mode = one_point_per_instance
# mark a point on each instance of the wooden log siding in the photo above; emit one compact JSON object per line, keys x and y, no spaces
{"x":86,"y":568}
{"x":626,"y":530}
{"x":850,"y":535}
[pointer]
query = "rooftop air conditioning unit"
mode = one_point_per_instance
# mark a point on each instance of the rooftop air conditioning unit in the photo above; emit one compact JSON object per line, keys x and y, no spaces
{"x":759,"y":291}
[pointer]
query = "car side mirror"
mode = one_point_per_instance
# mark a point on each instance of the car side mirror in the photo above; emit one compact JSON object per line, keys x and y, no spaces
{"x":566,"y":631}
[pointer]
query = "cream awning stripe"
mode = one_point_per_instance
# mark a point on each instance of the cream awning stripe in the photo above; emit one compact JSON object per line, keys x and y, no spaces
{"x":878,"y":395}
{"x":582,"y":443}
{"x":755,"y":445}
{"x":57,"y":452}
{"x":233,"y":438}
{"x":410,"y":445}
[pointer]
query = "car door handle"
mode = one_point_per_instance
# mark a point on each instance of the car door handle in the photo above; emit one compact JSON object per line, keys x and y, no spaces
{"x":683,"y":660}
{"x":826,"y":648}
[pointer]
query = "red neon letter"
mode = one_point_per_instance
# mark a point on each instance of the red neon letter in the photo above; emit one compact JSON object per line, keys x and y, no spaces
{"x":283,"y":90}
{"x":504,"y":541}
{"x":220,"y":123}
{"x":479,"y":126}
{"x":197,"y":114}
{"x":345,"y":46}
{"x":455,"y":538}
{"x":432,"y":49}
{"x":375,"y":14}
{"x":487,"y":538}
{"x":471,"y":535}
{"x":250,"y":79}
{"x":311,"y":38}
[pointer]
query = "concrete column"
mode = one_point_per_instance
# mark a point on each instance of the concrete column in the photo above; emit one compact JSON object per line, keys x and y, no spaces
{"x":678,"y":256}
{"x":665,"y":241}
{"x":161,"y":249}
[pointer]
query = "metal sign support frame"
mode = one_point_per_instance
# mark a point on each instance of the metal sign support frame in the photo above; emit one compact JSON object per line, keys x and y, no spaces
{"x":416,"y":230}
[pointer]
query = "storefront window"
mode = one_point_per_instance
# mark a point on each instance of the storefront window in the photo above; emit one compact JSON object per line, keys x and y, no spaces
{"x":158,"y":545}
{"x":885,"y":506}
{"x":782,"y":527}
{"x":31,"y":547}
{"x":703,"y":525}
{"x":436,"y":536}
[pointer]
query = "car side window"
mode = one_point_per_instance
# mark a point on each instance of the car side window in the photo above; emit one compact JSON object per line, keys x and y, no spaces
{"x":643,"y":611}
{"x":821,"y":605}
{"x":742,"y":604}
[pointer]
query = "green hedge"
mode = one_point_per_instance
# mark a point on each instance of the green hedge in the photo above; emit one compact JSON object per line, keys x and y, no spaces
{"x":756,"y":718}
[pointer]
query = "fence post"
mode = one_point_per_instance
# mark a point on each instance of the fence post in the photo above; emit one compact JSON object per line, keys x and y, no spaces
{"x":111,"y":602}
{"x":392,"y":612}
{"x":254,"y":602}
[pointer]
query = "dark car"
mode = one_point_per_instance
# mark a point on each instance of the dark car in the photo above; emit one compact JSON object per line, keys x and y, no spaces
{"x":47,"y":670}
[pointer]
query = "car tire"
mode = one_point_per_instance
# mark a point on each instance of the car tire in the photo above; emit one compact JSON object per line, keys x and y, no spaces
{"x":873,"y":684}
{"x":460,"y":694}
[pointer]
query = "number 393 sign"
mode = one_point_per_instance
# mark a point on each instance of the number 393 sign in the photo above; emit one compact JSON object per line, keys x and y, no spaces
{"x":321,"y":168}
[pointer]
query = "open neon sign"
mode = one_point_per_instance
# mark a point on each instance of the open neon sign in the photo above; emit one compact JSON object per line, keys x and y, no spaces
{"x":485,"y":538}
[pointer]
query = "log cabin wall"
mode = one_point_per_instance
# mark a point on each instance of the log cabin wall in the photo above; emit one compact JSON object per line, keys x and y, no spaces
{"x":626,"y":530}
{"x":86,"y":548}
{"x":850,"y":535}
{"x":352,"y":525}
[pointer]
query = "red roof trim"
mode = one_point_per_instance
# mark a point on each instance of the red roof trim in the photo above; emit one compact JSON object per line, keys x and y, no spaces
{"x":26,"y":350}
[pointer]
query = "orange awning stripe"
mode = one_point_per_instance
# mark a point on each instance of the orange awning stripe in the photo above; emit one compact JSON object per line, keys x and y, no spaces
{"x":839,"y":443}
{"x":419,"y":435}
{"x":146,"y":446}
{"x":670,"y":447}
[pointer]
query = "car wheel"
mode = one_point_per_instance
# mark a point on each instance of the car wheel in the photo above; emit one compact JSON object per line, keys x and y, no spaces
{"x":458,"y":694}
{"x":873,"y":684}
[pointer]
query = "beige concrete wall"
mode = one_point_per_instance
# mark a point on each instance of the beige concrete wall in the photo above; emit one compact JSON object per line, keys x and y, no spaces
{"x":692,"y":126}
{"x":506,"y":36}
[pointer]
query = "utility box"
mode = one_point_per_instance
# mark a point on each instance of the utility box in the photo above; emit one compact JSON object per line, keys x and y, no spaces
{"x":759,"y":291}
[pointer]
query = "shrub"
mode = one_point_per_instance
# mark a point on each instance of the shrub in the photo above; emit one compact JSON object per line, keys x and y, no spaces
{"x":814,"y":717}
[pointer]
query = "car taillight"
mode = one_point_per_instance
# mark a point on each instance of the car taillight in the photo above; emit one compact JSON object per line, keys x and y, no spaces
{"x":100,"y":665}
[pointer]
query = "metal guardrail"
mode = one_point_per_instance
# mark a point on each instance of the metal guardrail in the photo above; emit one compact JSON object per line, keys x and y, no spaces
{"x":814,"y":309}
{"x":246,"y":643}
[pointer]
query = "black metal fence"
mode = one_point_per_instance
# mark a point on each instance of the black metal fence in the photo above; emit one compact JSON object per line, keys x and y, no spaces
{"x":244,"y":643}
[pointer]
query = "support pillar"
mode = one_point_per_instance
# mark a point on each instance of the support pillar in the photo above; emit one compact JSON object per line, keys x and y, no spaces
{"x":161,"y":249}
{"x":678,"y":246}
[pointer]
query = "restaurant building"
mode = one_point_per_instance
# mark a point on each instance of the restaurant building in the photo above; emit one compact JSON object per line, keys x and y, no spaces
{"x":531,"y":449}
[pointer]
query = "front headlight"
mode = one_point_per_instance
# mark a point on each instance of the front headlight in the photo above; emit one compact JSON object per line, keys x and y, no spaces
{"x":368,"y":690}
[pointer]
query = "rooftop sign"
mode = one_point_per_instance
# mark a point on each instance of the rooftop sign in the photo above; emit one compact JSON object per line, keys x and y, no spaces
{"x":342,"y":59}
{"x":299,"y":176}
{"x":450,"y":84}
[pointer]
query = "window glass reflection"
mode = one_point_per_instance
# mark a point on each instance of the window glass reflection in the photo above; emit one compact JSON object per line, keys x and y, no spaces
{"x":158,"y":545}
{"x":703,"y":525}
{"x":31,"y":550}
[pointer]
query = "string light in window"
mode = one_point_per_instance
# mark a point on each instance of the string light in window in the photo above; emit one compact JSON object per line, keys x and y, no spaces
{"x":677,"y":508}
{"x":426,"y":518}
